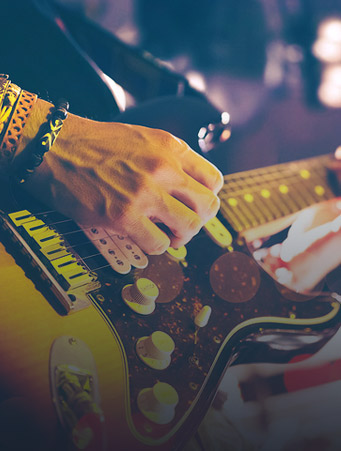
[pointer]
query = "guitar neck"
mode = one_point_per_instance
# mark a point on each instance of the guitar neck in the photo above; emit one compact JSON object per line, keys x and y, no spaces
{"x":256,"y":197}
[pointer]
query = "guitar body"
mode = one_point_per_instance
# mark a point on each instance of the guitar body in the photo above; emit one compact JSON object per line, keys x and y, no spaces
{"x":252,"y":318}
{"x":29,"y":325}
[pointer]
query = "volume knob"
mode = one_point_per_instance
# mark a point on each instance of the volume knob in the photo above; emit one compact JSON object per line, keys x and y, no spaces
{"x":141,"y":296}
{"x":155,"y":350}
{"x":158,"y":403}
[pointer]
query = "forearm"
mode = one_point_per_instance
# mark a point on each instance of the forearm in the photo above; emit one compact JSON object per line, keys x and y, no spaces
{"x":124,"y":177}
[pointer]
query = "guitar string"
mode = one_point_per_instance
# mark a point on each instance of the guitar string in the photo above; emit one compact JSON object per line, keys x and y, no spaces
{"x":254,"y":186}
{"x":76,"y":248}
{"x":250,"y":212}
{"x":249,"y":215}
{"x":303,"y":201}
{"x":276,"y":173}
{"x":317,"y":163}
{"x":83,"y":261}
{"x":253,"y":175}
{"x":72,"y":248}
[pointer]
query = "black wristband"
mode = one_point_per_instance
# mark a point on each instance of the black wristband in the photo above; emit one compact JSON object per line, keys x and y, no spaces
{"x":42,"y":143}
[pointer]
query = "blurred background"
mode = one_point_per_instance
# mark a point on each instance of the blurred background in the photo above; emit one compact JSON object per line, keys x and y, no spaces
{"x":275,"y":67}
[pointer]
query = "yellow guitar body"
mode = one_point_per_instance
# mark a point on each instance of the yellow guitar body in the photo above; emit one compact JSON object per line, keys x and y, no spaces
{"x":29,"y":325}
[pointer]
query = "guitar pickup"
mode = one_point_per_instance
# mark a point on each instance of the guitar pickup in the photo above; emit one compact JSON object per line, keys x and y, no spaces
{"x":119,"y":251}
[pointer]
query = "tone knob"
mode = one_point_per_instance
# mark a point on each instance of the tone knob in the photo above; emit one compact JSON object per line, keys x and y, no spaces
{"x":158,"y":403}
{"x":141,"y":296}
{"x":203,"y":316}
{"x":155,"y":350}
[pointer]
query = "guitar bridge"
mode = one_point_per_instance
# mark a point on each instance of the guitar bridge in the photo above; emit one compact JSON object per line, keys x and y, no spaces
{"x":65,"y":275}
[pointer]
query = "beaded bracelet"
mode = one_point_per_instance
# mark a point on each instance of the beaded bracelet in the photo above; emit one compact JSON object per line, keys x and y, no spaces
{"x":32,"y":157}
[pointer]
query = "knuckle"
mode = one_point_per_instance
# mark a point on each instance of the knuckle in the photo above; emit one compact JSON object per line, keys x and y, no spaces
{"x":213,"y":205}
{"x":194,"y":224}
{"x":171,"y":142}
{"x":119,"y":210}
{"x":151,"y":163}
{"x":219,"y":180}
{"x":165,"y":138}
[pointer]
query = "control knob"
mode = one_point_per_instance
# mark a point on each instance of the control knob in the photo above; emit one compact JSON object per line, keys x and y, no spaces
{"x":158,"y":403}
{"x":141,"y":296}
{"x":155,"y":350}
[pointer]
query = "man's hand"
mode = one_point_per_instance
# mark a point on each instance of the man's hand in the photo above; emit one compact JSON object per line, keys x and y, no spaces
{"x":127,"y":178}
{"x":311,"y":250}
{"x":313,"y":246}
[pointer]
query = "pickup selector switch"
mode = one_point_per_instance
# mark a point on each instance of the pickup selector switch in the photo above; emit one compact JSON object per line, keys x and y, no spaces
{"x":155,"y":350}
{"x":201,"y":319}
{"x":141,"y":296}
{"x":158,"y":403}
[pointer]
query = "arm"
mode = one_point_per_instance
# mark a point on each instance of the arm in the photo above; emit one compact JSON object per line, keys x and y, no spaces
{"x":125,"y":177}
{"x":313,"y":246}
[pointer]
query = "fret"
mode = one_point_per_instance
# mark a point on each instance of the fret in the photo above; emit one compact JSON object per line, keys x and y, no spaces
{"x":257,"y":196}
{"x":250,"y":196}
{"x":266,"y":206}
{"x":309,"y":194}
{"x":281,"y":202}
{"x":256,"y":211}
{"x":235,"y":190}
{"x":249,"y":217}
{"x":282,"y":171}
{"x":291,"y":202}
{"x":234,"y":216}
{"x":328,"y":194}
{"x":296,"y":195}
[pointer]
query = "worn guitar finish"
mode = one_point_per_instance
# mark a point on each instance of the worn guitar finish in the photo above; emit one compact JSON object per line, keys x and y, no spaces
{"x":247,"y":306}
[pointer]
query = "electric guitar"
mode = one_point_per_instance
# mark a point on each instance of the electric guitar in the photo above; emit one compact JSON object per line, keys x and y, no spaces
{"x":103,"y":347}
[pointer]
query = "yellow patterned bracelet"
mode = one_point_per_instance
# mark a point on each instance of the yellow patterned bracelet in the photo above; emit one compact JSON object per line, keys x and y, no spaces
{"x":12,"y":136}
{"x":7,"y":108}
{"x":4,"y":83}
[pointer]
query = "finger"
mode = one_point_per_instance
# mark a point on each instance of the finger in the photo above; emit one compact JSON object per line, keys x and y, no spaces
{"x":196,"y":197}
{"x":180,"y":220}
{"x":202,"y":170}
{"x":309,"y":267}
{"x":148,"y":236}
{"x":315,"y":216}
{"x":302,"y":223}
{"x":314,"y":238}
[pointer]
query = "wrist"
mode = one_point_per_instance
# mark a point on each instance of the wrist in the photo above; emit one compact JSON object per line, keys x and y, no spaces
{"x":38,"y":116}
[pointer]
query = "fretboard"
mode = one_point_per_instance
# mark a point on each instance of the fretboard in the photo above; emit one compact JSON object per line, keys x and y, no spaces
{"x":252,"y":198}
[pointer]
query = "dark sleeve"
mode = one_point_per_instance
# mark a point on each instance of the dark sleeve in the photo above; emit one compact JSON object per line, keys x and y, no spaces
{"x":39,"y":57}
